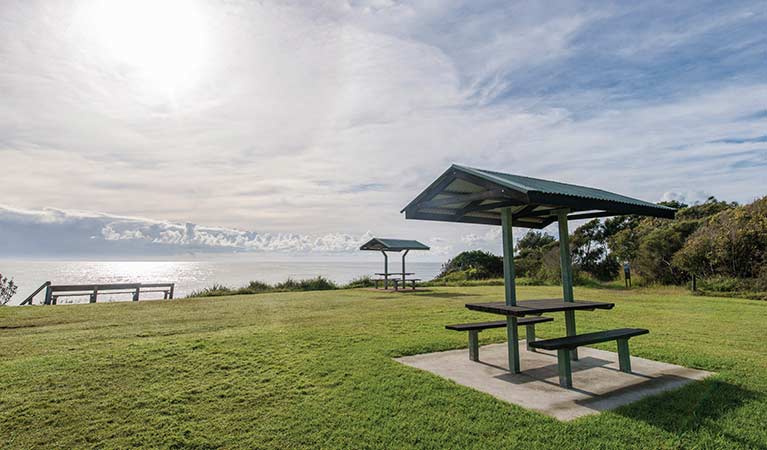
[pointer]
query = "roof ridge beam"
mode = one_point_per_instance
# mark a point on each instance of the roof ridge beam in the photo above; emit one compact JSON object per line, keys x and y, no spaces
{"x":489,"y":185}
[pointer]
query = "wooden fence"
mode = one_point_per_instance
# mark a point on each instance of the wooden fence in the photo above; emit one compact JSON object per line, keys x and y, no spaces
{"x":54,"y":292}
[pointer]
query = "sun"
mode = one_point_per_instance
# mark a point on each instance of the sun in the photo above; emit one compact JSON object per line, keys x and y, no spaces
{"x":161,"y":44}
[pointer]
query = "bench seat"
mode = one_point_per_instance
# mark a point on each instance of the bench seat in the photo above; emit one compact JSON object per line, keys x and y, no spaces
{"x":496,"y":324}
{"x":394,"y":282}
{"x":564,"y":345}
{"x":397,"y":281}
{"x":475,"y":328}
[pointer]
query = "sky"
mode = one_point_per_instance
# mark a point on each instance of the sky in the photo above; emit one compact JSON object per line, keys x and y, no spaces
{"x":168,"y":126}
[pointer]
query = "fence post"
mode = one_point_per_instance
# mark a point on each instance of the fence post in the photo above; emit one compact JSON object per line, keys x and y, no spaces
{"x":47,"y":300}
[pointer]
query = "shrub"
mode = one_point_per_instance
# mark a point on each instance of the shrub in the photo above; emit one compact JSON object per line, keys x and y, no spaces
{"x":317,"y":284}
{"x":214,"y":291}
{"x":258,"y":286}
{"x":477,"y":264}
{"x":361,"y":282}
{"x":721,"y":284}
{"x":312,"y":284}
{"x":7,"y":289}
{"x":733,"y":243}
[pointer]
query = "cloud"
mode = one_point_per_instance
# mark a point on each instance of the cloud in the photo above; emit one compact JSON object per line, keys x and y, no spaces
{"x":325,"y":118}
{"x":688,"y":198}
{"x":51,"y":232}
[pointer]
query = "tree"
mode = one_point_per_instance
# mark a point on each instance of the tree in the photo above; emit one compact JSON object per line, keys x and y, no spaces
{"x":7,"y":289}
{"x":477,"y":264}
{"x":534,"y":241}
{"x":528,"y":259}
{"x":650,"y":243}
{"x":590,"y":253}
{"x":731,"y":243}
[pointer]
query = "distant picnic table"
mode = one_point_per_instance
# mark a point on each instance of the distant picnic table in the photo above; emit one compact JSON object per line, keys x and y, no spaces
{"x":385,"y":245}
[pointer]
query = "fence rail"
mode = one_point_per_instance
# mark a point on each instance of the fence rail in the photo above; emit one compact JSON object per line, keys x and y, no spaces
{"x":53,"y":292}
{"x":28,"y":300}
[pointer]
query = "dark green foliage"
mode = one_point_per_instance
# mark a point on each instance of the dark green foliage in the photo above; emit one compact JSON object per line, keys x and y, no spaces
{"x":534,"y":241}
{"x":712,"y":239}
{"x":530,"y":252}
{"x":311,"y":284}
{"x":259,"y":287}
{"x":732,"y":243}
{"x":213,"y":291}
{"x":709,"y":208}
{"x":589,"y":250}
{"x":361,"y":282}
{"x":651,"y":244}
{"x":660,"y":240}
{"x":477,"y":264}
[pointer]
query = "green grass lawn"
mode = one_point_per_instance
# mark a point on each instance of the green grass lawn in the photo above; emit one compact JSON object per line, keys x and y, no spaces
{"x":315,"y":370}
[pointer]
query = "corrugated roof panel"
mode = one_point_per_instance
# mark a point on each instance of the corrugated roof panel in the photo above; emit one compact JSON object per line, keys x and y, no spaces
{"x":528,"y":184}
{"x":393,"y":244}
{"x":529,"y":197}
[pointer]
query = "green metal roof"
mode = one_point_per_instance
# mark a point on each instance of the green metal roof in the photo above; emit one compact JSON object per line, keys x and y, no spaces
{"x":393,"y":245}
{"x":466,"y":194}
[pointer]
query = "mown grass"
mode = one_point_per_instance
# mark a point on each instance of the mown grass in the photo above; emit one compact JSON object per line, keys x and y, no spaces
{"x":315,"y":370}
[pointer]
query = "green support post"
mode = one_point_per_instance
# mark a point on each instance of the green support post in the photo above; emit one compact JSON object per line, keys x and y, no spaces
{"x":510,"y":289}
{"x":403,"y":268}
{"x":567,"y":275}
{"x":530,"y":336}
{"x":48,"y":295}
{"x":565,"y":371}
{"x":386,"y":270}
{"x":474,"y":345}
{"x":624,"y":357}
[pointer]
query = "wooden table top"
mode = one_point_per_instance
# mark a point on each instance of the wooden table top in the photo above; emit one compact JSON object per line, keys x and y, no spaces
{"x":536,"y":307}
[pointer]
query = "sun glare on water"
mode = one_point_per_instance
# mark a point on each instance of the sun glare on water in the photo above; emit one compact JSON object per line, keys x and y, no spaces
{"x":160,"y":44}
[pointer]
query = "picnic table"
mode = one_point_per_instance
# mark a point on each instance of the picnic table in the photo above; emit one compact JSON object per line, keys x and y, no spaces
{"x":396,"y":277}
{"x":537,"y":307}
{"x":394,"y":245}
{"x":488,"y":197}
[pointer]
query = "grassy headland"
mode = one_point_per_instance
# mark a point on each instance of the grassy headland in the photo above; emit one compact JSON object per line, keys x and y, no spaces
{"x":315,"y":370}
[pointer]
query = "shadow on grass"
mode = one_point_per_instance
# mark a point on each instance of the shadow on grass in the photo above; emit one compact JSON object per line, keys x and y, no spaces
{"x":697,"y":406}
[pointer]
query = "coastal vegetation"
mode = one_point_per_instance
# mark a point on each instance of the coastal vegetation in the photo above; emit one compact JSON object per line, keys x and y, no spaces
{"x":315,"y":370}
{"x":318,"y":283}
{"x":7,"y":289}
{"x":722,"y":245}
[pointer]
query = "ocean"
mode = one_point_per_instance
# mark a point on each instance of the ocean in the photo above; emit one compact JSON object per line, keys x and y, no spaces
{"x":191,"y":274}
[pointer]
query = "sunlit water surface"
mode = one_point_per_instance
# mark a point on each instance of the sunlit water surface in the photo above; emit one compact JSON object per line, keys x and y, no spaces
{"x":189,"y":275}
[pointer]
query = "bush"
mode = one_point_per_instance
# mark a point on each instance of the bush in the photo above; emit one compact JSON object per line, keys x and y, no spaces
{"x":259,"y":287}
{"x":721,"y":284}
{"x":216,"y":290}
{"x":733,"y":243}
{"x":317,"y":284}
{"x":476,"y":264}
{"x":530,"y":252}
{"x":255,"y":287}
{"x":361,"y":282}
{"x":7,"y":289}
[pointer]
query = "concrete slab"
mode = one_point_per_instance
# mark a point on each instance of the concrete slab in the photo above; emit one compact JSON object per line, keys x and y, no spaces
{"x":598,"y":384}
